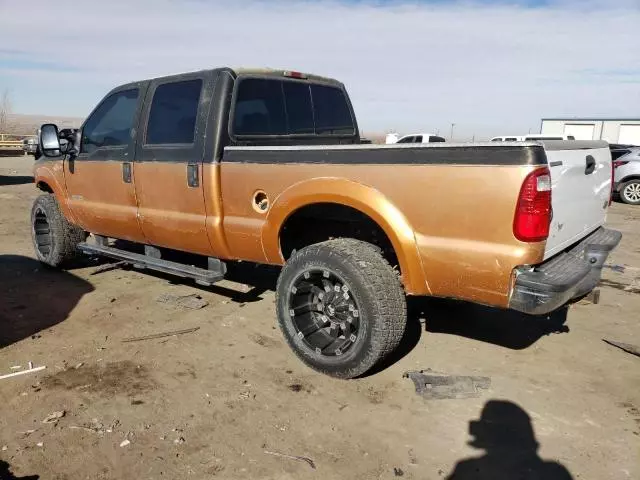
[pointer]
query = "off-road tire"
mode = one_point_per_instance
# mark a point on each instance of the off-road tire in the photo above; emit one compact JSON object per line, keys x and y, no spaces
{"x":629,"y":192}
{"x":376,"y":290}
{"x":55,"y":240}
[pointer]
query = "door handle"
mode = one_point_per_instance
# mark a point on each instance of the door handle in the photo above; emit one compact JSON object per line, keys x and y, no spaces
{"x":590,"y":165}
{"x":126,"y":172}
{"x":192,"y":175}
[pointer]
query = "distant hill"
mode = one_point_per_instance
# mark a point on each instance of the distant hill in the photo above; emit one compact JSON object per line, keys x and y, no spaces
{"x":19,"y":124}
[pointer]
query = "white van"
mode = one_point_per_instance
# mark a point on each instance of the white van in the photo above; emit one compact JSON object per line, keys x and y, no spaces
{"x":531,"y":137}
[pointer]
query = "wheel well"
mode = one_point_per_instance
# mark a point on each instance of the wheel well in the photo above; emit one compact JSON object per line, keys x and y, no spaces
{"x":325,"y":221}
{"x":629,"y":178}
{"x":44,"y":186}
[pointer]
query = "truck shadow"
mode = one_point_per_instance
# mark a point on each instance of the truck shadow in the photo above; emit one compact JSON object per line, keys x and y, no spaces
{"x":34,"y":297}
{"x":505,"y":328}
{"x":6,"y":180}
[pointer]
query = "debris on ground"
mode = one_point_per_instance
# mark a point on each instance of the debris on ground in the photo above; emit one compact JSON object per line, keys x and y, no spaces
{"x":31,"y":369}
{"x":94,"y":427}
{"x":193,"y":301}
{"x":26,"y":433}
{"x":40,"y":444}
{"x":292,"y":457}
{"x":615,"y":268}
{"x":54,"y":417}
{"x":153,"y":336}
{"x":125,"y":443}
{"x":179,"y":441}
{"x":108,"y":267}
{"x":627,"y":347}
{"x":79,"y":365}
{"x":4,"y":448}
{"x":437,"y":386}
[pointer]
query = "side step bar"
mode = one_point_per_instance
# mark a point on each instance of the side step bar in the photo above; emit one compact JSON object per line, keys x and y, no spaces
{"x":215,"y":273}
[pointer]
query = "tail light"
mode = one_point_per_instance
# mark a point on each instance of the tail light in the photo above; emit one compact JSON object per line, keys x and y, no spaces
{"x":292,"y":74}
{"x":533,"y":211}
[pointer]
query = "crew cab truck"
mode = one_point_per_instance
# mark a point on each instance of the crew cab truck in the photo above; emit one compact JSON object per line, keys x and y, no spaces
{"x":266,"y":166}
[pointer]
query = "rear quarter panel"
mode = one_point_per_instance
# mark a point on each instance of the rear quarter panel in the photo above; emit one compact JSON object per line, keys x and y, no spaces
{"x":455,"y":221}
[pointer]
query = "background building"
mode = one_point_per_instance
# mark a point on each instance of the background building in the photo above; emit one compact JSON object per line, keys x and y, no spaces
{"x":613,"y":130}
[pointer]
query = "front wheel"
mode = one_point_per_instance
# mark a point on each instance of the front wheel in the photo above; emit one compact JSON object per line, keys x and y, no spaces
{"x":55,"y":240}
{"x":341,"y":307}
{"x":630,"y":192}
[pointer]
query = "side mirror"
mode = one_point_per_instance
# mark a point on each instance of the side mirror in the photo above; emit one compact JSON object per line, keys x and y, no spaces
{"x":49,"y":141}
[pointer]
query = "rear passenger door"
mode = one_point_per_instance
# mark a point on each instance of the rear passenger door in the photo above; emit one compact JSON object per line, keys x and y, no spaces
{"x":168,"y":164}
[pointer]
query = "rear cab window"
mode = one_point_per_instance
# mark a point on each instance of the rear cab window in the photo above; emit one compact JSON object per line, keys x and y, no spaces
{"x":272,"y":107}
{"x":173,"y":114}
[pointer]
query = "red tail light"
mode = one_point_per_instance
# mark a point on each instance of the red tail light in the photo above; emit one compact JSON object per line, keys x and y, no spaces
{"x":533,"y":211}
{"x":292,"y":74}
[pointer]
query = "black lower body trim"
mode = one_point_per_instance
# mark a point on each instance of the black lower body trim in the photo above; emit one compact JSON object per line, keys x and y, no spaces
{"x":568,"y":275}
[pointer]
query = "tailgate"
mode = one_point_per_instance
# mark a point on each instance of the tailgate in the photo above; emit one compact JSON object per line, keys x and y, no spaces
{"x":581,"y":187}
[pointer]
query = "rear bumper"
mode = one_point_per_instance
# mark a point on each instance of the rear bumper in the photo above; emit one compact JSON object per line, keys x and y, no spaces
{"x":566,"y":276}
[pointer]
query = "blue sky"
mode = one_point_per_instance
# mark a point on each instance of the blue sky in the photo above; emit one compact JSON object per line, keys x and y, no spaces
{"x":491,"y":67}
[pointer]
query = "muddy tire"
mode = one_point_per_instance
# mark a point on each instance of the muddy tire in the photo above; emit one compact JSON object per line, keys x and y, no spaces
{"x":55,"y":240}
{"x":630,"y":192}
{"x":341,"y":307}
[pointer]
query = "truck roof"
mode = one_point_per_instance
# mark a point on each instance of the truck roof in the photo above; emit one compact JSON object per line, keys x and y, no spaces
{"x":262,"y":71}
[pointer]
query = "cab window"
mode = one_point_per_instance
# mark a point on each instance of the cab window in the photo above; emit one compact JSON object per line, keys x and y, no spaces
{"x":110,"y":124}
{"x":173,"y":114}
{"x":272,"y":107}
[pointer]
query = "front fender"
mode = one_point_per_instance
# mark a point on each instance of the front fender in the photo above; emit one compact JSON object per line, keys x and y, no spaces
{"x":365,"y":199}
{"x":52,"y":173}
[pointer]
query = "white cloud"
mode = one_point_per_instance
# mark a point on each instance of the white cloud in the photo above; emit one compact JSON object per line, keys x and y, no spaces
{"x":488,"y":68}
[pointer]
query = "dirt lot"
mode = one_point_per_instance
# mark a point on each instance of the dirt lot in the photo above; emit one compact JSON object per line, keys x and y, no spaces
{"x":211,"y":402}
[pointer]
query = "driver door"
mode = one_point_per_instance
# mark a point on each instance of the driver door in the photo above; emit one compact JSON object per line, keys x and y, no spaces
{"x":100,"y":181}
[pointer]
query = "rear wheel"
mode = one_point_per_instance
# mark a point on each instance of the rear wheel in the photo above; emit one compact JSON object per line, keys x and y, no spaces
{"x":630,"y":192}
{"x":55,"y":240}
{"x":341,"y":307}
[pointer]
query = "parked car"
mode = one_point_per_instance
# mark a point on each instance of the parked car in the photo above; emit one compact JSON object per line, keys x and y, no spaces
{"x":30,"y":145}
{"x":417,"y":138}
{"x":531,"y":137}
{"x":626,"y":176}
{"x":267,"y":166}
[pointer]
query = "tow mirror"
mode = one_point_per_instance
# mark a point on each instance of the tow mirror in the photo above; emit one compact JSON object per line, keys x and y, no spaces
{"x":49,"y":141}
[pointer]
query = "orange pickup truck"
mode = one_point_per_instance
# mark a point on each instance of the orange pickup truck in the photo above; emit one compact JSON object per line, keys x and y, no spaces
{"x":268,"y":166}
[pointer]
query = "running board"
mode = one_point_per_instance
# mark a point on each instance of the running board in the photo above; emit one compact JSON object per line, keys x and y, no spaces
{"x":215,"y":273}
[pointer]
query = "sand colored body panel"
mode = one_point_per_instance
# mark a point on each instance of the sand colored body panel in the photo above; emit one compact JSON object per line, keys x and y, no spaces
{"x":171,"y":213}
{"x":101,"y":201}
{"x":437,"y":218}
{"x":50,"y":173}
